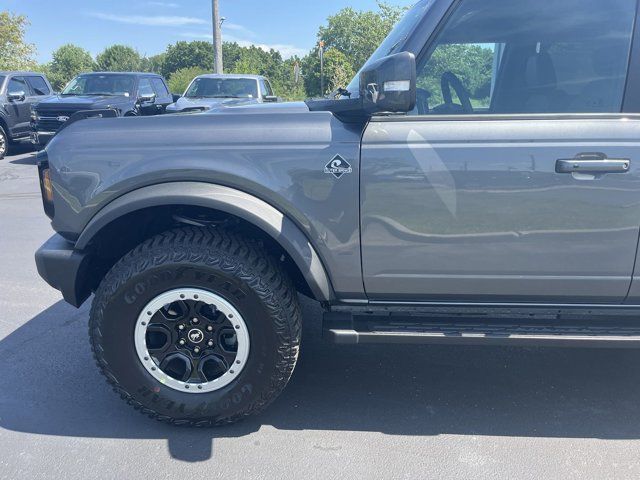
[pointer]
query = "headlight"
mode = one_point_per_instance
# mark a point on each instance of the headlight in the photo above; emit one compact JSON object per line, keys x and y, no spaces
{"x":34,"y":114}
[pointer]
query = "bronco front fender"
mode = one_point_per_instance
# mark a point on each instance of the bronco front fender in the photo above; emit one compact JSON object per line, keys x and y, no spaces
{"x":234,"y":202}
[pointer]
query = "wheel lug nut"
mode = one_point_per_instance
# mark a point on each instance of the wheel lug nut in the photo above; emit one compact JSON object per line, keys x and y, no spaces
{"x":180,"y":327}
{"x":210,"y":343}
{"x":195,"y":320}
{"x":209,"y":328}
{"x":182,"y":342}
{"x":196,"y":349}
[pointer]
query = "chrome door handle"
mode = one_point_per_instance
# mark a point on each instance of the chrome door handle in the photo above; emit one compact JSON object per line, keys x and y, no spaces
{"x":593,"y":164}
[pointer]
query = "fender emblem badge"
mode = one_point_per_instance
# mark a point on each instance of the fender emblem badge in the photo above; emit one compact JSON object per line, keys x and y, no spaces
{"x":338,"y":166}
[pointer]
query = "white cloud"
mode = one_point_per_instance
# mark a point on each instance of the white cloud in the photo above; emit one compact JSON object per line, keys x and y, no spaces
{"x":287,"y":51}
{"x":240,"y":29}
{"x":157,"y":21}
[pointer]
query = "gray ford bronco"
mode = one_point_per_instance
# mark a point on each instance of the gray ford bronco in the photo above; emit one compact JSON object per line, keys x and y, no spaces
{"x":478,"y":182}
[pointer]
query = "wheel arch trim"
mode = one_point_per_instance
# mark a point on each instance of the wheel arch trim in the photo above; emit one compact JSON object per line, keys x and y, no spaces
{"x":228,"y":200}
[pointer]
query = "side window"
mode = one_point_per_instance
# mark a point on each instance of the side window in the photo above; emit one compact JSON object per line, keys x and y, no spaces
{"x":144,"y":88}
{"x":38,"y":86}
{"x":569,"y":57}
{"x":17,"y":84}
{"x":266,"y":88}
{"x":160,"y":87}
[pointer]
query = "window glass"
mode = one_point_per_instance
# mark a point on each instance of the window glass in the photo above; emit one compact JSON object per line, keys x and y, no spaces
{"x":160,"y":87}
{"x":38,"y":86}
{"x":216,"y":87}
{"x":511,"y":56}
{"x":17,"y":84}
{"x":266,"y":88}
{"x":99,"y":84}
{"x":2,"y":77}
{"x":144,"y":88}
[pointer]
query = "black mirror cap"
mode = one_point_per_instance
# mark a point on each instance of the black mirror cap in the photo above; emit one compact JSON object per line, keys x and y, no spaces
{"x":389,"y":84}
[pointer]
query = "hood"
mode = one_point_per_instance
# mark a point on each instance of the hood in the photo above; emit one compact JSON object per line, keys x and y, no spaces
{"x":185,"y":103}
{"x":81,"y":102}
{"x":260,"y":108}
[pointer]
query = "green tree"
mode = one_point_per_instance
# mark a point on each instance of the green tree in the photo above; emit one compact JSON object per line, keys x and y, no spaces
{"x":154,"y":64}
{"x":68,"y":61}
{"x":180,"y":79}
{"x":118,"y":58}
{"x":338,"y":72}
{"x":357,"y":34}
{"x":187,"y":54}
{"x":15,"y":52}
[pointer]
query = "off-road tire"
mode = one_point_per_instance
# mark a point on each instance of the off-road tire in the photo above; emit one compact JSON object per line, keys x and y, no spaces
{"x":221,"y":262}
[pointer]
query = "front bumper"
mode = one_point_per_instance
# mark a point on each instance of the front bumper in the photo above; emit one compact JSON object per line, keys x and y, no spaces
{"x":41,"y":138}
{"x":63,"y":268}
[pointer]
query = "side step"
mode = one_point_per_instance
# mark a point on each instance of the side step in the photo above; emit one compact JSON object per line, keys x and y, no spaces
{"x":345,"y":328}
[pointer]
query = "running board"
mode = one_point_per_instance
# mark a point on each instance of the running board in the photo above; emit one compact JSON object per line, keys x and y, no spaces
{"x":344,"y":328}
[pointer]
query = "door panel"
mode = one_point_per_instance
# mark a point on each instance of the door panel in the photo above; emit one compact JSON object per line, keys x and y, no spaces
{"x":473,"y":210}
{"x":19,"y":112}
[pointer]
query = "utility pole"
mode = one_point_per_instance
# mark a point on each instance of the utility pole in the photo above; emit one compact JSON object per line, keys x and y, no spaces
{"x":217,"y":38}
{"x":321,"y":68}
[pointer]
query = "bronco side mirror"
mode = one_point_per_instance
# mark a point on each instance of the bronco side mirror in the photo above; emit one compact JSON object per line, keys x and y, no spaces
{"x":389,"y":84}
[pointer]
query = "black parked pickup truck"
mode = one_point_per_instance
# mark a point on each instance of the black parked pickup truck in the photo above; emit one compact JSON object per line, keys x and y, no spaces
{"x":18,"y":92}
{"x":129,"y":94}
{"x":478,"y":182}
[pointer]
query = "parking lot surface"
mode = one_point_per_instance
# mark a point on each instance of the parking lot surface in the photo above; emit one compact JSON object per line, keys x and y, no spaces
{"x":349,"y":412}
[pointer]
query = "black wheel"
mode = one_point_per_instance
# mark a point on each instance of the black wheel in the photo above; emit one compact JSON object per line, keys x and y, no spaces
{"x":4,"y":143}
{"x":196,"y":327}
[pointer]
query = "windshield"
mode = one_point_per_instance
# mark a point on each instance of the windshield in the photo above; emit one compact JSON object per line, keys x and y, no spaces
{"x":204,"y":87}
{"x":395,"y":39}
{"x":121,"y":85}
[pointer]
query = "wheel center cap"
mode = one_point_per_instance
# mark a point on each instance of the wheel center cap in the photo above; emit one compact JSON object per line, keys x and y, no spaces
{"x":195,"y":335}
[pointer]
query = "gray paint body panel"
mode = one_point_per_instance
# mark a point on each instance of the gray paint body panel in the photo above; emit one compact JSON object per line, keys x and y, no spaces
{"x":469,"y":210}
{"x":277,"y":155}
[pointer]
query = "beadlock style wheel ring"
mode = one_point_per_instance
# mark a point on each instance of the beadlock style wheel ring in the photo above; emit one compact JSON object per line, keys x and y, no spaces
{"x":192,"y":340}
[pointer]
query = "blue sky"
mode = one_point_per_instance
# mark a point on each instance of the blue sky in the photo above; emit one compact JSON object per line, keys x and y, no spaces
{"x":149,"y":26}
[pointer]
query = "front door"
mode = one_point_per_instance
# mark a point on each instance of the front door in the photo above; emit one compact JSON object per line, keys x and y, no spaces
{"x":19,"y":111}
{"x":517,"y":178}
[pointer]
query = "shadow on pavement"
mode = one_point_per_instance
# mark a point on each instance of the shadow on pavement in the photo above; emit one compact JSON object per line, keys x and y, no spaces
{"x":21,"y":149}
{"x":50,"y":385}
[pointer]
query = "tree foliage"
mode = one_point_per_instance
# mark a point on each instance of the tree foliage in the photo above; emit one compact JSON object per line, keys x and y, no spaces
{"x":183,"y":55}
{"x":15,"y":52}
{"x":356,"y":33}
{"x":68,"y":61}
{"x":119,"y":58}
{"x":180,"y":79}
{"x":338,"y":72}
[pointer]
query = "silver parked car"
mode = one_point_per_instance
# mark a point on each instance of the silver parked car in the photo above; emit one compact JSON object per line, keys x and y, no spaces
{"x":210,"y":91}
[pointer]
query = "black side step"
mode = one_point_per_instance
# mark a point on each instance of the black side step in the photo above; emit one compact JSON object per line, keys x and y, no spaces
{"x":344,"y":328}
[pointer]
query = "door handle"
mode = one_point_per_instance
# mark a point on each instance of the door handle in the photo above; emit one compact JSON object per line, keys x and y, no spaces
{"x":593,"y":164}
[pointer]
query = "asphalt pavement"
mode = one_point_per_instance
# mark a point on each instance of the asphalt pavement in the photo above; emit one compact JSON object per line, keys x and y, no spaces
{"x":350,"y":412}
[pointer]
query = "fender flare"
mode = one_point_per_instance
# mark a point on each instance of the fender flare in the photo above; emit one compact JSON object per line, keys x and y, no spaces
{"x":234,"y":202}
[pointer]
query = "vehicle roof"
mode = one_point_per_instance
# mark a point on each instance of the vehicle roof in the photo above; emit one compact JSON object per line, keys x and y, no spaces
{"x":135,"y":74}
{"x":20,"y":72}
{"x":231,"y":75}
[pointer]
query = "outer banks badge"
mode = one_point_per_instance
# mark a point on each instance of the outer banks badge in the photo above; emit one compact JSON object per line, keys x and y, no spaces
{"x":338,"y":166}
